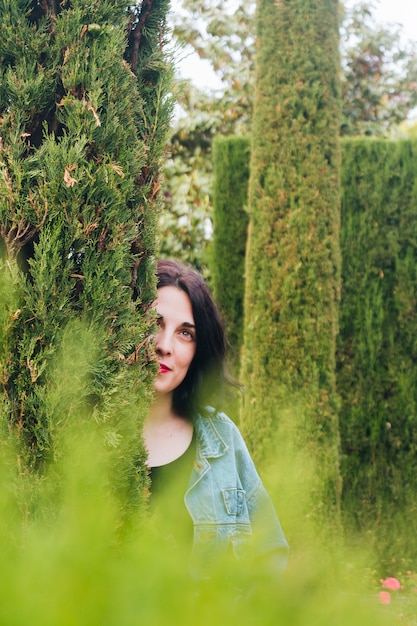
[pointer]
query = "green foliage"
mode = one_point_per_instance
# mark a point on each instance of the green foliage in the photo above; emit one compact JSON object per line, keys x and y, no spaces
{"x":376,"y":376}
{"x":377,"y":349}
{"x":292,"y":262}
{"x":83,"y":117}
{"x":379,"y":86}
{"x":226,"y":41}
{"x":185,"y":225}
{"x":77,"y":569}
{"x":184,"y":228}
{"x":379,"y":77}
{"x":230,"y":221}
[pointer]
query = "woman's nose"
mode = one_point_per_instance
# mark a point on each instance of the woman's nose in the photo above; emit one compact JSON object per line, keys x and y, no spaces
{"x":163,"y":343}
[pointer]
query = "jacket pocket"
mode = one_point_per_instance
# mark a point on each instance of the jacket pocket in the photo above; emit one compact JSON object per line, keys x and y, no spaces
{"x":234,"y":501}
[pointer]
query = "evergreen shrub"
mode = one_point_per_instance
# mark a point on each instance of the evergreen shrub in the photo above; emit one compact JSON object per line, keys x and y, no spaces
{"x":230,"y":224}
{"x":377,"y":344}
{"x":292,"y":263}
{"x":83,"y":119}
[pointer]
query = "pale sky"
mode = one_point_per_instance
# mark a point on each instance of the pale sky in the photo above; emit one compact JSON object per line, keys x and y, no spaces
{"x":402,"y":12}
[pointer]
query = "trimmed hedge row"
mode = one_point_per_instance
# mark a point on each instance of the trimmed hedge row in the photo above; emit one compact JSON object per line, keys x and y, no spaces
{"x":292,"y":261}
{"x":377,"y":344}
{"x":376,"y":370}
{"x":230,"y":220}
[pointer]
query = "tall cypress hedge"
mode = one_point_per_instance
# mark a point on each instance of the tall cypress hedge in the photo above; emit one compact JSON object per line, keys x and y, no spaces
{"x":83,"y":118}
{"x":230,"y":224}
{"x":292,"y":263}
{"x":377,"y":345}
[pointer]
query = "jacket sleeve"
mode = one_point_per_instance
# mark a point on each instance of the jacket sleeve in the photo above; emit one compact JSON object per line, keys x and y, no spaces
{"x":269,"y":540}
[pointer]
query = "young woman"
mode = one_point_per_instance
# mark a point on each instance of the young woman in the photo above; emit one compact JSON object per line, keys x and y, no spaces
{"x":202,"y":476}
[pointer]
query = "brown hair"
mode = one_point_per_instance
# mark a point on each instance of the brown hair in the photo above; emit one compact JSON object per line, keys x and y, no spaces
{"x":206,"y":375}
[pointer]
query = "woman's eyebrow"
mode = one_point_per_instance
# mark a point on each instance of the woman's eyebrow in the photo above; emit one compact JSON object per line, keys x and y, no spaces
{"x":160,"y":318}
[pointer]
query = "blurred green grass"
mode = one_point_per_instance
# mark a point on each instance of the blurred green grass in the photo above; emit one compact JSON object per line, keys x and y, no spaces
{"x":67,"y":564}
{"x":69,"y":557}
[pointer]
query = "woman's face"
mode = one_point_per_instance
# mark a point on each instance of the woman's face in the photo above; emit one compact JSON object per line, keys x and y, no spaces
{"x":176,"y":341}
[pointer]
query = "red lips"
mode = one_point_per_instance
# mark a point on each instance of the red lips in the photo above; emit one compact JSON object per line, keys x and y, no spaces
{"x":164,"y":369}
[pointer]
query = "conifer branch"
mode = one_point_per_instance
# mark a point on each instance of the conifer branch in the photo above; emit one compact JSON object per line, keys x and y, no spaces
{"x":136,"y":33}
{"x":49,"y":6}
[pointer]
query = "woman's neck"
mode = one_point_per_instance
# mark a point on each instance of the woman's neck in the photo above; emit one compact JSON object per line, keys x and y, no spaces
{"x":160,"y":410}
{"x":166,"y":434}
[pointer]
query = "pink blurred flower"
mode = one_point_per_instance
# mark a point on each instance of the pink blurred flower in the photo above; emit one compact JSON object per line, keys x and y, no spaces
{"x":384,"y":597}
{"x":391,"y":583}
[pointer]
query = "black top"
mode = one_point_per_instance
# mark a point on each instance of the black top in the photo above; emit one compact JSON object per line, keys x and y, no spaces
{"x":169,"y":483}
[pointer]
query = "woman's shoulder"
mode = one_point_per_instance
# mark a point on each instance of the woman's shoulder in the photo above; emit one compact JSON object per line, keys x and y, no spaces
{"x":215,"y":426}
{"x":216,"y":416}
{"x":218,"y":420}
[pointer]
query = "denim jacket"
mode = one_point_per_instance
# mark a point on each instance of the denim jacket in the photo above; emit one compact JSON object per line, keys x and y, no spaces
{"x":226,"y":498}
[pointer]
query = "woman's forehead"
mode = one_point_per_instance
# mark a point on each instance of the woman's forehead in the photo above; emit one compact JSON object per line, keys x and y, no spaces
{"x":174,"y":303}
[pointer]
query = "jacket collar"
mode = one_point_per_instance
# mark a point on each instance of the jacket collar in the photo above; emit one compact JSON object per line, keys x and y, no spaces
{"x":210,"y":444}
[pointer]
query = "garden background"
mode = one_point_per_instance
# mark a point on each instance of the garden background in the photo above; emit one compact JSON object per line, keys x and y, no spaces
{"x":320,"y":305}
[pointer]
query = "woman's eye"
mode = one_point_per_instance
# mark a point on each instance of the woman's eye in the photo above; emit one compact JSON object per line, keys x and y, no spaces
{"x":187,"y":334}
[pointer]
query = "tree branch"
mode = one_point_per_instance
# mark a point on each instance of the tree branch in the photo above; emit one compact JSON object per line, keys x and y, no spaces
{"x":136,"y":33}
